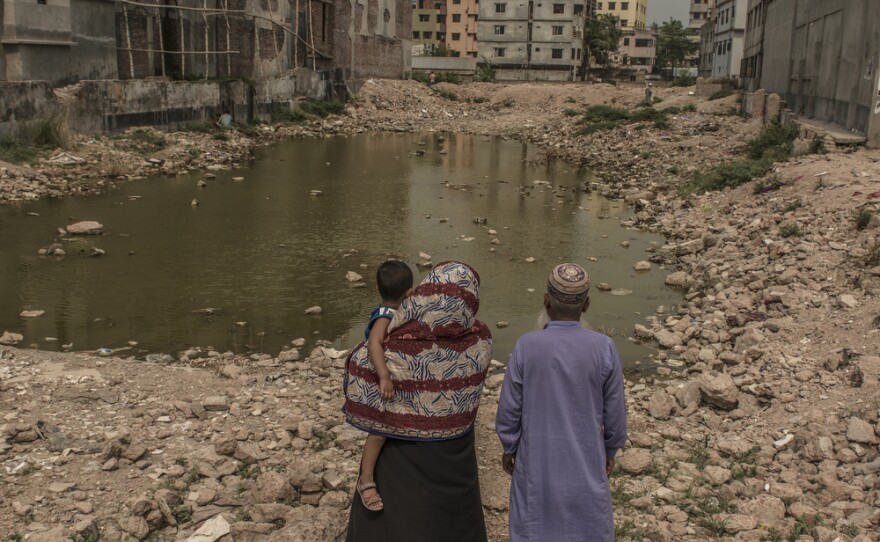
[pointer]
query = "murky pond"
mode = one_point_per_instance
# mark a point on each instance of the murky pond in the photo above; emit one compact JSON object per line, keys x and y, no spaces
{"x":262,"y":250}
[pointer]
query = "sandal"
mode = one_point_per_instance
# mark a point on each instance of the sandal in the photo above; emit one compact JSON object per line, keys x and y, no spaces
{"x":373,"y":503}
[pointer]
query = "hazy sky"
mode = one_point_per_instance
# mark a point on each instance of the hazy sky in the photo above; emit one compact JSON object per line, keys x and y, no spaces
{"x":662,"y":10}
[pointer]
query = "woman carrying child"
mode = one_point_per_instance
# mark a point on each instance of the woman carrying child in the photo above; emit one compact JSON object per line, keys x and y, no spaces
{"x":437,"y":354}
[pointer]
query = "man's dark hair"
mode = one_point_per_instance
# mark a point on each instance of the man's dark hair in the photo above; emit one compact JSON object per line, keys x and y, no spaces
{"x":394,"y":278}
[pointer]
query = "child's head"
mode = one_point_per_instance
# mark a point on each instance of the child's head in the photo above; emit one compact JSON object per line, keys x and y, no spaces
{"x":394,"y":279}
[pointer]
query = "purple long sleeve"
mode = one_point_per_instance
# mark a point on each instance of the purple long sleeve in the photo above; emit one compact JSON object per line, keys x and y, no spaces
{"x":508,"y":421}
{"x":614,"y":404}
{"x":562,"y":411}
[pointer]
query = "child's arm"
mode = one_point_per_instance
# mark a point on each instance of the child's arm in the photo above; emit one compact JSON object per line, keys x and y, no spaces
{"x":377,"y":357}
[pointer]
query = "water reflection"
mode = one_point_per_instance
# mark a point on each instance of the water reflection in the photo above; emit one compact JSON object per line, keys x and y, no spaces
{"x":260,"y":251}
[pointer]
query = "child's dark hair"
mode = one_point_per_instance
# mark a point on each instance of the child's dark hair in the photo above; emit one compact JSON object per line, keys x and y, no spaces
{"x":394,"y":278}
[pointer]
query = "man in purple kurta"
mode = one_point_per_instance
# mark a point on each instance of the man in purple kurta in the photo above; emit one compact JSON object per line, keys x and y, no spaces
{"x":561,"y":418}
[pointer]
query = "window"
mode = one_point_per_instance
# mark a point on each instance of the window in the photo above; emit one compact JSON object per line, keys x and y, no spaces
{"x":441,"y":19}
{"x":599,"y":6}
{"x":456,"y":36}
{"x":427,"y":35}
{"x":623,"y":23}
{"x":558,"y":8}
{"x":499,"y":29}
{"x":456,"y":1}
{"x":624,"y":6}
{"x":499,"y":51}
{"x":500,"y":8}
{"x":424,"y":18}
{"x":578,"y":9}
{"x":556,"y":53}
{"x":612,"y":5}
{"x":557,"y":30}
{"x":456,"y":17}
{"x":416,"y":34}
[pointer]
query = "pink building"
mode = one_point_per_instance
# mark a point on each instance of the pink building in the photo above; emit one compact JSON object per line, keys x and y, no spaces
{"x":461,"y":26}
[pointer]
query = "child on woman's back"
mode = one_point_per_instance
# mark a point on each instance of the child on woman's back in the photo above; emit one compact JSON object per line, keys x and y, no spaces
{"x":395,"y":280}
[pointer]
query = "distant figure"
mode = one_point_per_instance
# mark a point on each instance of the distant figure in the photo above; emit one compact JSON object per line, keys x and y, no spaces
{"x":225,"y":120}
{"x":561,"y":418}
{"x":431,"y":78}
{"x":649,"y":94}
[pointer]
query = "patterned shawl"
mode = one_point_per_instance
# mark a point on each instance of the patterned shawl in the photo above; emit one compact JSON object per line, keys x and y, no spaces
{"x":437,"y":353}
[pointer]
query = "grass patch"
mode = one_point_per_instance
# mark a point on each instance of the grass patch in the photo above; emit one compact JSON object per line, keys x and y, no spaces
{"x":627,"y":531}
{"x":480,"y":100}
{"x":689,"y":108}
{"x":817,"y":146}
{"x":723,"y":93}
{"x":684,"y":80}
{"x":571,"y":112}
{"x":744,"y":464}
{"x":286,"y":115}
{"x":147,"y":140}
{"x":446,"y":94}
{"x":197,"y":127}
{"x":793,"y":206}
{"x":698,"y":454}
{"x":16,"y":151}
{"x":774,"y":144}
{"x":863,"y":219}
{"x":322,"y":109}
{"x":439,"y":77}
{"x":790,"y":230}
{"x":605,"y":117}
{"x":772,"y":184}
{"x":504,"y":104}
{"x":182,"y":514}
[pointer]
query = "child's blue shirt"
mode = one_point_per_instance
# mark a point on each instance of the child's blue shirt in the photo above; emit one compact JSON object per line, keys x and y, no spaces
{"x":378,"y":312}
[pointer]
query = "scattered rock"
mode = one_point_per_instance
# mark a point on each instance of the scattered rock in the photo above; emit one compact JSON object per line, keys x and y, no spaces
{"x":846,"y":301}
{"x":635,"y":460}
{"x":11,"y":339}
{"x":313,"y":310}
{"x":858,"y":430}
{"x":719,"y":390}
{"x":351,"y":276}
{"x":642,"y":266}
{"x":86,"y":227}
{"x":32,"y":314}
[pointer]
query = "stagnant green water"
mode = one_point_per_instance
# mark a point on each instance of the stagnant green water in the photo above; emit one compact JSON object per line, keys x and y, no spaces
{"x":262,"y":250}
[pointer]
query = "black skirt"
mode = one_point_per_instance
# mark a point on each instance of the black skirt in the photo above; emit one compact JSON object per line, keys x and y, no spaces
{"x":431,"y":492}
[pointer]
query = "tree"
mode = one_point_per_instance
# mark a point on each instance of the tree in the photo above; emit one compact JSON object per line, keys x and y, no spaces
{"x":601,"y":38}
{"x":674,"y":44}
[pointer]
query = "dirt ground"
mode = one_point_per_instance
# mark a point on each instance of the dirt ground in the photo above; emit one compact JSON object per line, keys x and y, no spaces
{"x":762,"y":424}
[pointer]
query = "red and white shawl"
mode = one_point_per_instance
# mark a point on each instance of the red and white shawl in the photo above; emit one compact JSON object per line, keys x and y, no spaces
{"x":438,"y":354}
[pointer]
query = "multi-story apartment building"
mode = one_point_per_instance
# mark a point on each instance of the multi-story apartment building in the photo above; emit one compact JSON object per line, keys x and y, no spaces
{"x":428,"y":24}
{"x":753,"y":44}
{"x":631,"y":13}
{"x":527,"y":38}
{"x":699,"y":14}
{"x":638,"y":50}
{"x":730,"y":27}
{"x":461,"y":26}
{"x":707,"y":46}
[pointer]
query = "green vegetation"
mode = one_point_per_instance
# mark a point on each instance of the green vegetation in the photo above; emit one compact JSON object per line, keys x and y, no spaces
{"x":770,"y":185}
{"x":197,"y":127}
{"x":800,"y":528}
{"x":605,"y":117}
{"x":684,"y":80}
{"x":793,"y":206}
{"x":601,"y":39}
{"x":485,"y":72}
{"x":286,"y":115}
{"x":690,"y":108}
{"x":251,"y":471}
{"x":774,"y":144}
{"x":480,"y":100}
{"x":322,"y":109}
{"x":817,"y":146}
{"x":182,"y":514}
{"x":14,"y":537}
{"x":505,"y":103}
{"x":439,"y":77}
{"x":571,"y":112}
{"x":850,"y":530}
{"x":446,"y":94}
{"x":627,"y":531}
{"x":744,"y":464}
{"x":790,"y":230}
{"x":723,"y":93}
{"x":45,"y":134}
{"x":17,"y":151}
{"x":698,"y":454}
{"x":863,"y":219}
{"x":147,"y":140}
{"x":674,"y":44}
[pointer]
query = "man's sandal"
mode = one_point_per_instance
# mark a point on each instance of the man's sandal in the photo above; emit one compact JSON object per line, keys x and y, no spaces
{"x":373,"y":503}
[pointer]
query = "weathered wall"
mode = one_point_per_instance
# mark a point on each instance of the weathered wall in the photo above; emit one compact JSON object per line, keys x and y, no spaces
{"x":21,"y":103}
{"x":822,"y":58}
{"x":57,"y":41}
{"x":373,"y":38}
{"x":106,"y":106}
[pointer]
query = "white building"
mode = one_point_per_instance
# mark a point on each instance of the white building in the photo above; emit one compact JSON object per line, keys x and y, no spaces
{"x":729,"y":34}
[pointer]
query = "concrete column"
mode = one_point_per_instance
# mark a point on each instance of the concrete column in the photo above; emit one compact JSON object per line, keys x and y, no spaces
{"x":774,"y":107}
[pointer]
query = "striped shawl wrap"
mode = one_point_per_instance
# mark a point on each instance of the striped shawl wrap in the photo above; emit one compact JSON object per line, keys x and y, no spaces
{"x":438,"y":354}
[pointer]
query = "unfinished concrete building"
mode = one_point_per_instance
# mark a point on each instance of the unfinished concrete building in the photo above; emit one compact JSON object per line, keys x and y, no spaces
{"x":821,"y":58}
{"x":63,"y":41}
